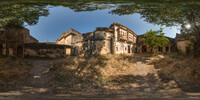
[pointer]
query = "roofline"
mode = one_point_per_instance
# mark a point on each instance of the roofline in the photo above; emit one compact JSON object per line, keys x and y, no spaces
{"x":34,"y":38}
{"x":67,"y":34}
{"x":123,"y":26}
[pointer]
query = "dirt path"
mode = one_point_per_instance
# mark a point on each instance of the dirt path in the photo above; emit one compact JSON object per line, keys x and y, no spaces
{"x":143,"y":83}
{"x":38,"y":77}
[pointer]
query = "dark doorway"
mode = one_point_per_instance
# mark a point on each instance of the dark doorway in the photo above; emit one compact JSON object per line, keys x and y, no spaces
{"x":19,"y":51}
{"x":129,"y":49}
{"x":187,"y":50}
{"x":167,"y":49}
{"x":144,"y":48}
{"x":1,"y":50}
{"x":160,"y":49}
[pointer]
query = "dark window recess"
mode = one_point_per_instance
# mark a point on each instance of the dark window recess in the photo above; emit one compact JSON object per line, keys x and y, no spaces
{"x":19,"y":51}
{"x":129,"y":49}
{"x":167,"y":49}
{"x":160,"y":49}
{"x":144,"y":49}
{"x":1,"y":49}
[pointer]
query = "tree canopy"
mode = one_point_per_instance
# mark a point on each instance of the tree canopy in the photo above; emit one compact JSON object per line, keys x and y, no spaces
{"x":15,"y":13}
{"x":155,"y":39}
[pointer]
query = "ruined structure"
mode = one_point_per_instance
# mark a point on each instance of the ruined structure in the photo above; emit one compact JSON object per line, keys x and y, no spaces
{"x":11,"y":40}
{"x":72,"y":38}
{"x":116,"y":39}
{"x":142,"y":47}
{"x":183,"y":43}
{"x":19,"y":43}
{"x":44,"y":50}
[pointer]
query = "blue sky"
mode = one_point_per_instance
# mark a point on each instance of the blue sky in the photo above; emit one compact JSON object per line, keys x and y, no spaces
{"x":61,"y":19}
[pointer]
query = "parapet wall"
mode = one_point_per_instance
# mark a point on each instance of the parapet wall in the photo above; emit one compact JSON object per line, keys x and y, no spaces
{"x":45,"y":50}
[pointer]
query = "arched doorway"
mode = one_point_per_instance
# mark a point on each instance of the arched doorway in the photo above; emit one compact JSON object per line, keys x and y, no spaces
{"x":20,"y":52}
{"x":144,"y":48}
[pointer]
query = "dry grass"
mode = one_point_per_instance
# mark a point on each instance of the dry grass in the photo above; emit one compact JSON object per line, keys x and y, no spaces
{"x":81,"y":72}
{"x":12,"y":73}
{"x":185,"y":71}
{"x":125,"y":74}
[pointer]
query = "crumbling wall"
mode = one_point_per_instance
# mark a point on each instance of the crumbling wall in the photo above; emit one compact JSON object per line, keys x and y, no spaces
{"x":97,"y":43}
{"x":183,"y":45}
{"x":123,"y":47}
{"x":78,"y":49}
{"x":12,"y":38}
{"x":93,"y":47}
{"x":45,"y":50}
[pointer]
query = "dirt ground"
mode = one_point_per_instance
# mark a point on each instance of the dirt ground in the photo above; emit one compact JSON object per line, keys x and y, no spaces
{"x":138,"y":80}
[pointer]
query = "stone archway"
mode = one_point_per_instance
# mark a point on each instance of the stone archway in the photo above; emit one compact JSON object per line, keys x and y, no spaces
{"x":20,"y":51}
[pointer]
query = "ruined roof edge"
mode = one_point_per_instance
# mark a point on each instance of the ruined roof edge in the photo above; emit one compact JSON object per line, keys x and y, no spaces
{"x":64,"y":34}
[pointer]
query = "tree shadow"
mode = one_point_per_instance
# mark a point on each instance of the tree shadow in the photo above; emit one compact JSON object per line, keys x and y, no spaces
{"x":86,"y":80}
{"x":148,"y":83}
{"x":183,"y":73}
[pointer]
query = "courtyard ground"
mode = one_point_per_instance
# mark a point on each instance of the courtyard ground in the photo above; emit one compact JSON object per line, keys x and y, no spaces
{"x":108,"y":76}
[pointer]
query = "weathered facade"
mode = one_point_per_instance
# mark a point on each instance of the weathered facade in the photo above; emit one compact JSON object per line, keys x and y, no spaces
{"x":142,"y":47}
{"x":11,"y":40}
{"x":72,"y":38}
{"x":19,"y":43}
{"x":183,"y":43}
{"x":44,"y":50}
{"x":117,"y":39}
{"x":124,"y":39}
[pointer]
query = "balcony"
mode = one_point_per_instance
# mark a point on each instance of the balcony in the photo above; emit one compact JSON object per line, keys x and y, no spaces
{"x":130,"y":40}
{"x":123,"y":38}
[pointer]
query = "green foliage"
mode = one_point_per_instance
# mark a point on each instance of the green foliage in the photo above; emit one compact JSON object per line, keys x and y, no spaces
{"x":155,"y":39}
{"x":17,"y":14}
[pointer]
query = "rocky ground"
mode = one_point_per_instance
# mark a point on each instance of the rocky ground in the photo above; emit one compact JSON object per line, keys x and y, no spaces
{"x":122,"y":76}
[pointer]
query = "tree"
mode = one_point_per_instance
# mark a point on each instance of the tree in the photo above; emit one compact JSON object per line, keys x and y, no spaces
{"x":155,"y":39}
{"x":16,"y":14}
{"x":170,"y":13}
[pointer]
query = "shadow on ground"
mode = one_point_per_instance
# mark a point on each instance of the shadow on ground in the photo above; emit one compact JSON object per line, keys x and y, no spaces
{"x":85,"y":77}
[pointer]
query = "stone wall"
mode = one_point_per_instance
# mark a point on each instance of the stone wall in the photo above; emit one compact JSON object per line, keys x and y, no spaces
{"x":142,"y":47}
{"x":12,"y":38}
{"x":78,"y":49}
{"x":183,"y":46}
{"x":97,"y":43}
{"x":166,"y":48}
{"x":94,"y":47}
{"x":44,"y":50}
{"x":123,"y":47}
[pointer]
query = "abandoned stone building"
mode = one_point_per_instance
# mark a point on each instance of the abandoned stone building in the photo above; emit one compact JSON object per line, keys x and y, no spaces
{"x":116,"y":39}
{"x":19,"y":43}
{"x":183,"y":43}
{"x":142,"y":47}
{"x":11,"y":40}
